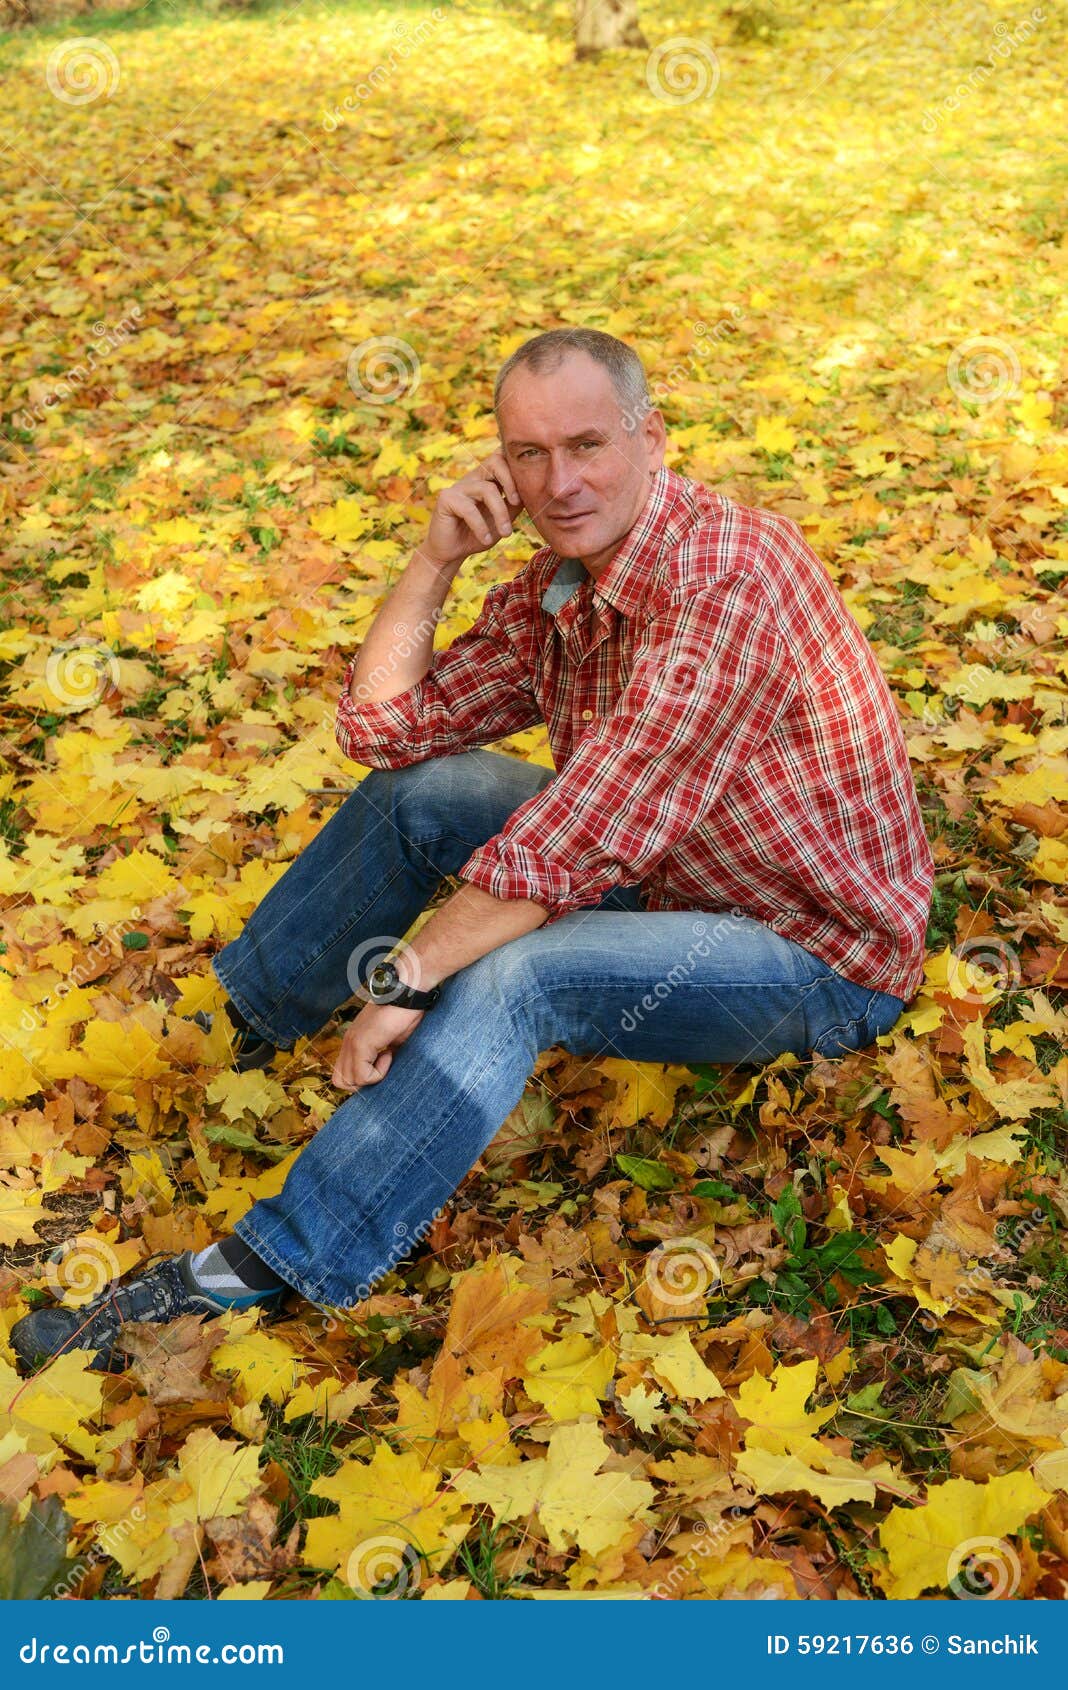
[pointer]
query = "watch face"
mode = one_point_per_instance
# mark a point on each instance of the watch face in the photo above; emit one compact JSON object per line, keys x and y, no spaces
{"x":384,"y":979}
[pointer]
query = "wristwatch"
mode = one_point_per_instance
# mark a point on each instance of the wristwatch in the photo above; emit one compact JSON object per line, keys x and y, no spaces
{"x":384,"y":985}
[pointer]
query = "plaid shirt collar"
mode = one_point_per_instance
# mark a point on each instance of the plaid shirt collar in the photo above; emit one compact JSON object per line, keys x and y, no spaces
{"x":624,"y":582}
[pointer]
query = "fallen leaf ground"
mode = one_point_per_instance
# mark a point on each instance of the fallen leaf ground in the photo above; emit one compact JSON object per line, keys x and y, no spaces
{"x":683,"y":1333}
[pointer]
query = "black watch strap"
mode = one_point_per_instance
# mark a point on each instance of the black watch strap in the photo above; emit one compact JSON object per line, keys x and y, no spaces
{"x":396,"y":993}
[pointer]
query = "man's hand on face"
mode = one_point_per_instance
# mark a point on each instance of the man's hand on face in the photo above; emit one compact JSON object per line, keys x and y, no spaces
{"x":474,"y":513}
{"x":367,"y":1047}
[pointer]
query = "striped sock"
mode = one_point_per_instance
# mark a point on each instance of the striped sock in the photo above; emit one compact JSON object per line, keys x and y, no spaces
{"x":233,"y":1276}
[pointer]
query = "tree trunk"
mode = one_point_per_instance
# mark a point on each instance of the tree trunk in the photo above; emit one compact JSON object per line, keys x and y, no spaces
{"x":600,"y":24}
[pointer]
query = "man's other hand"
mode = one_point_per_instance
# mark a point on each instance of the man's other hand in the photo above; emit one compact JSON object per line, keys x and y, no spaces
{"x":367,"y":1047}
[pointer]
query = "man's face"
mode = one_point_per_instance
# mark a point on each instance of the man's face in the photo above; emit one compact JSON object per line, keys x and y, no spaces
{"x":571,"y":454}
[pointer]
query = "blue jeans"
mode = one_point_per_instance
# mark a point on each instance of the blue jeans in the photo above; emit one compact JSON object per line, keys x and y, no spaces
{"x":611,"y":980}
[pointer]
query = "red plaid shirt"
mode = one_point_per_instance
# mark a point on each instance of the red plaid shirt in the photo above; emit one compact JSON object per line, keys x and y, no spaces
{"x":722,"y":733}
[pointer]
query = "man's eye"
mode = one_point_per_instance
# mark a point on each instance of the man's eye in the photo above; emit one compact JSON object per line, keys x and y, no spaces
{"x":590,"y":442}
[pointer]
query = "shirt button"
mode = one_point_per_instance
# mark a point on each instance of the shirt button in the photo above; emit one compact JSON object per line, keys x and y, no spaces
{"x":587,"y":715}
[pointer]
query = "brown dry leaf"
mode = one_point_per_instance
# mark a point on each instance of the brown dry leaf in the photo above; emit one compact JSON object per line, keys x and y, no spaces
{"x":171,"y":1361}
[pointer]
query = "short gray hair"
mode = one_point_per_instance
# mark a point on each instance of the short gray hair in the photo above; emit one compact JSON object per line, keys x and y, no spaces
{"x":546,"y":351}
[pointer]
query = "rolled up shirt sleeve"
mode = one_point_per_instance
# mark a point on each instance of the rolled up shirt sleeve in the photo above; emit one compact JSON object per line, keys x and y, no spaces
{"x":711,"y":675}
{"x":476,"y":690}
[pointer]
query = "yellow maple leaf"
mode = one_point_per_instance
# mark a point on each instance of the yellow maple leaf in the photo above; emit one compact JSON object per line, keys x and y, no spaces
{"x":899,"y":1257}
{"x":776,"y":1407}
{"x":113,"y":1055}
{"x":428,"y":1424}
{"x":772,"y":1474}
{"x":232,"y":1198}
{"x":1034,"y":413}
{"x":570,"y":1376}
{"x":1050,"y":862}
{"x":675,"y":1363}
{"x":20,"y":1212}
{"x":645,"y":1408}
{"x":27,"y":1137}
{"x":575,"y":1503}
{"x":774,"y":435}
{"x":51,"y":871}
{"x":645,"y":1090}
{"x":139,"y":876}
{"x":177,"y":531}
{"x":197,"y":992}
{"x":263,"y":1366}
{"x":104,"y":1502}
{"x":488,"y":1441}
{"x":142,"y":1541}
{"x":146,"y":1173}
{"x":1052,"y":1469}
{"x":928,"y":1547}
{"x":329,"y":1399}
{"x":392,"y":1511}
{"x":220,"y":1476}
{"x":343,"y":522}
{"x":170,"y":591}
{"x":253,"y":1093}
{"x":741,"y":1573}
{"x":57,"y":1400}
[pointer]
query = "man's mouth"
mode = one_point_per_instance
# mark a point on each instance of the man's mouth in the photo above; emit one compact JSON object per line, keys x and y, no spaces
{"x":576,"y":516}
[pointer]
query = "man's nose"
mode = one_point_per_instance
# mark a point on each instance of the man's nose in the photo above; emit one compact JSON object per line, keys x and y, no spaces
{"x":563,"y":478}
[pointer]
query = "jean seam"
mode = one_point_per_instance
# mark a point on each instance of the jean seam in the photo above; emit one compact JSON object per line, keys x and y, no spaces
{"x":861,"y":1022}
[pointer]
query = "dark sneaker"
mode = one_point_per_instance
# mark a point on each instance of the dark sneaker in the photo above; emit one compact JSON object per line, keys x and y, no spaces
{"x":154,"y":1294}
{"x":250,"y":1051}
